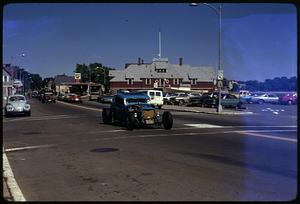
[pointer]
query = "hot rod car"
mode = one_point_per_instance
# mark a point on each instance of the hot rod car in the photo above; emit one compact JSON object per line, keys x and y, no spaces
{"x":133,"y":111}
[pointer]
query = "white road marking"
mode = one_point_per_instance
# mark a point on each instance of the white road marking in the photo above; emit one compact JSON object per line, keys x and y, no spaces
{"x":203,"y":125}
{"x":54,"y":117}
{"x":245,"y":132}
{"x":268,"y":136}
{"x":25,"y":148}
{"x":69,"y":104}
{"x":11,"y":182}
{"x":199,"y":125}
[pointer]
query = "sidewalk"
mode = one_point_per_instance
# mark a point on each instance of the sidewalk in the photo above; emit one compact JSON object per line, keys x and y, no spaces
{"x":207,"y":110}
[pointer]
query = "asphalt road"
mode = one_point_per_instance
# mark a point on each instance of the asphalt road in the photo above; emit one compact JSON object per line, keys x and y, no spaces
{"x":64,"y":152}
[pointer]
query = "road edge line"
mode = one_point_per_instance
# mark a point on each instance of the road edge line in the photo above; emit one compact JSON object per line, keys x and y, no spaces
{"x":12,"y":184}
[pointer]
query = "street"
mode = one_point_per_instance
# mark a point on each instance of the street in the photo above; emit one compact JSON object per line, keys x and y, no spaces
{"x":64,"y":152}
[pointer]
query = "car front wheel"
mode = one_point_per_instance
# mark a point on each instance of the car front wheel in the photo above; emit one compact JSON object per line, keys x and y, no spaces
{"x":167,"y":120}
{"x":106,"y":116}
{"x":130,"y":122}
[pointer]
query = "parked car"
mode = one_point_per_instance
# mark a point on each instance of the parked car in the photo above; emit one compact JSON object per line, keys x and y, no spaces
{"x":105,"y":98}
{"x":73,"y":98}
{"x":199,"y":100}
{"x":288,"y":98}
{"x":48,"y":97}
{"x":167,"y":98}
{"x":17,"y":104}
{"x":94,"y":95}
{"x":61,"y":97}
{"x":134,"y":111}
{"x":227,"y":101}
{"x":265,"y":98}
{"x":156,"y":97}
{"x":181,"y":99}
{"x":245,"y":95}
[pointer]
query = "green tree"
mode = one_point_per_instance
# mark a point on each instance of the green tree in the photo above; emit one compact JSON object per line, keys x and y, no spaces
{"x":94,"y":72}
{"x":36,"y":82}
{"x":84,"y":70}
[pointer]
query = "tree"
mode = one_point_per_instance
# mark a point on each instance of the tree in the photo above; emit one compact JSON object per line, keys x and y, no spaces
{"x":84,"y":70}
{"x":36,"y":82}
{"x":94,"y":72}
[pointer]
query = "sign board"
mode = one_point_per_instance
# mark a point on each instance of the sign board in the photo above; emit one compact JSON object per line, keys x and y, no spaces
{"x":220,"y":74}
{"x":155,"y":84}
{"x":77,"y":76}
{"x":17,"y":83}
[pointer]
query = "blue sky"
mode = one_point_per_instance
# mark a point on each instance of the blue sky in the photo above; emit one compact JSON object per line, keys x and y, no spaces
{"x":259,"y":41}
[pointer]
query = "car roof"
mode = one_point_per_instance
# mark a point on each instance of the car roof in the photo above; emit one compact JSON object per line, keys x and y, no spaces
{"x":17,"y":95}
{"x":133,"y":95}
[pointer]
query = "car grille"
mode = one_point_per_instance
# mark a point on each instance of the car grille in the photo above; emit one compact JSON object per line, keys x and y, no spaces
{"x":148,"y":114}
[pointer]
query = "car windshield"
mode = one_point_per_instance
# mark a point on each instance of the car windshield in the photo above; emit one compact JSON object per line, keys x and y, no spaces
{"x":17,"y":98}
{"x":136,"y":100}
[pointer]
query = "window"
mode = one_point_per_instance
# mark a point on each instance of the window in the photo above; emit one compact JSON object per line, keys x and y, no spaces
{"x":157,"y":94}
{"x":148,"y":81}
{"x":175,"y":81}
{"x":193,"y":81}
{"x":130,"y":81}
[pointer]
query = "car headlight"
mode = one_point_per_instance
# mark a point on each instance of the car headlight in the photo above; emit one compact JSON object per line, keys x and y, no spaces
{"x":27,"y":107}
{"x":9,"y":108}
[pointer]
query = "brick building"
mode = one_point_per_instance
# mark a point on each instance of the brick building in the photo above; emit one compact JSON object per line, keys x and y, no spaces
{"x":161,"y":74}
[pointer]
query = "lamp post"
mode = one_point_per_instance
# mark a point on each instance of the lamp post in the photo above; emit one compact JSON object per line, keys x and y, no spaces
{"x":220,"y":74}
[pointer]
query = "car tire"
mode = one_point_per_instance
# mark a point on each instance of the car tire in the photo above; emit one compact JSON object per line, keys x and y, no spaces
{"x":130,"y":122}
{"x":167,"y":120}
{"x":239,"y":105}
{"x":181,"y":103}
{"x":6,"y":114}
{"x":260,"y":101}
{"x":106,"y":116}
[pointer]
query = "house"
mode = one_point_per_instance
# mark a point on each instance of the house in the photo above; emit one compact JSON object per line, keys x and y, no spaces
{"x":67,"y":84}
{"x":7,"y":80}
{"x":63,"y":83}
{"x":162,"y":75}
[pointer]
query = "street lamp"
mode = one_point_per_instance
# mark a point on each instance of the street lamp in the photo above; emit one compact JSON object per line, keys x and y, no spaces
{"x":220,"y":73}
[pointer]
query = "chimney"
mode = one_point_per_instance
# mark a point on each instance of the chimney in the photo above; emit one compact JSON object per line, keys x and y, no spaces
{"x":180,"y":61}
{"x":139,"y":61}
{"x":142,"y":61}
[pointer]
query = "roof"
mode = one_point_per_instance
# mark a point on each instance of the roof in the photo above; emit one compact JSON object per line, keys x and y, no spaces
{"x":133,"y":95}
{"x":6,"y":71}
{"x":59,"y":79}
{"x":185,"y":72}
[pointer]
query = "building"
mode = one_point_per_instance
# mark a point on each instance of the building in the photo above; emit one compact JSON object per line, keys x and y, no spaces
{"x":67,"y":84}
{"x":7,"y":80}
{"x":163,"y":75}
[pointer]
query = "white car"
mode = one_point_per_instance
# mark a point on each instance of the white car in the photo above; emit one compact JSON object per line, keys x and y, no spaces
{"x":156,"y":97}
{"x":265,"y":98}
{"x":17,"y":104}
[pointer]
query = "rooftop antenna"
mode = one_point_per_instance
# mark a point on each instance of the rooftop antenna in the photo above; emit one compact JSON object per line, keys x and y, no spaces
{"x":159,"y":43}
